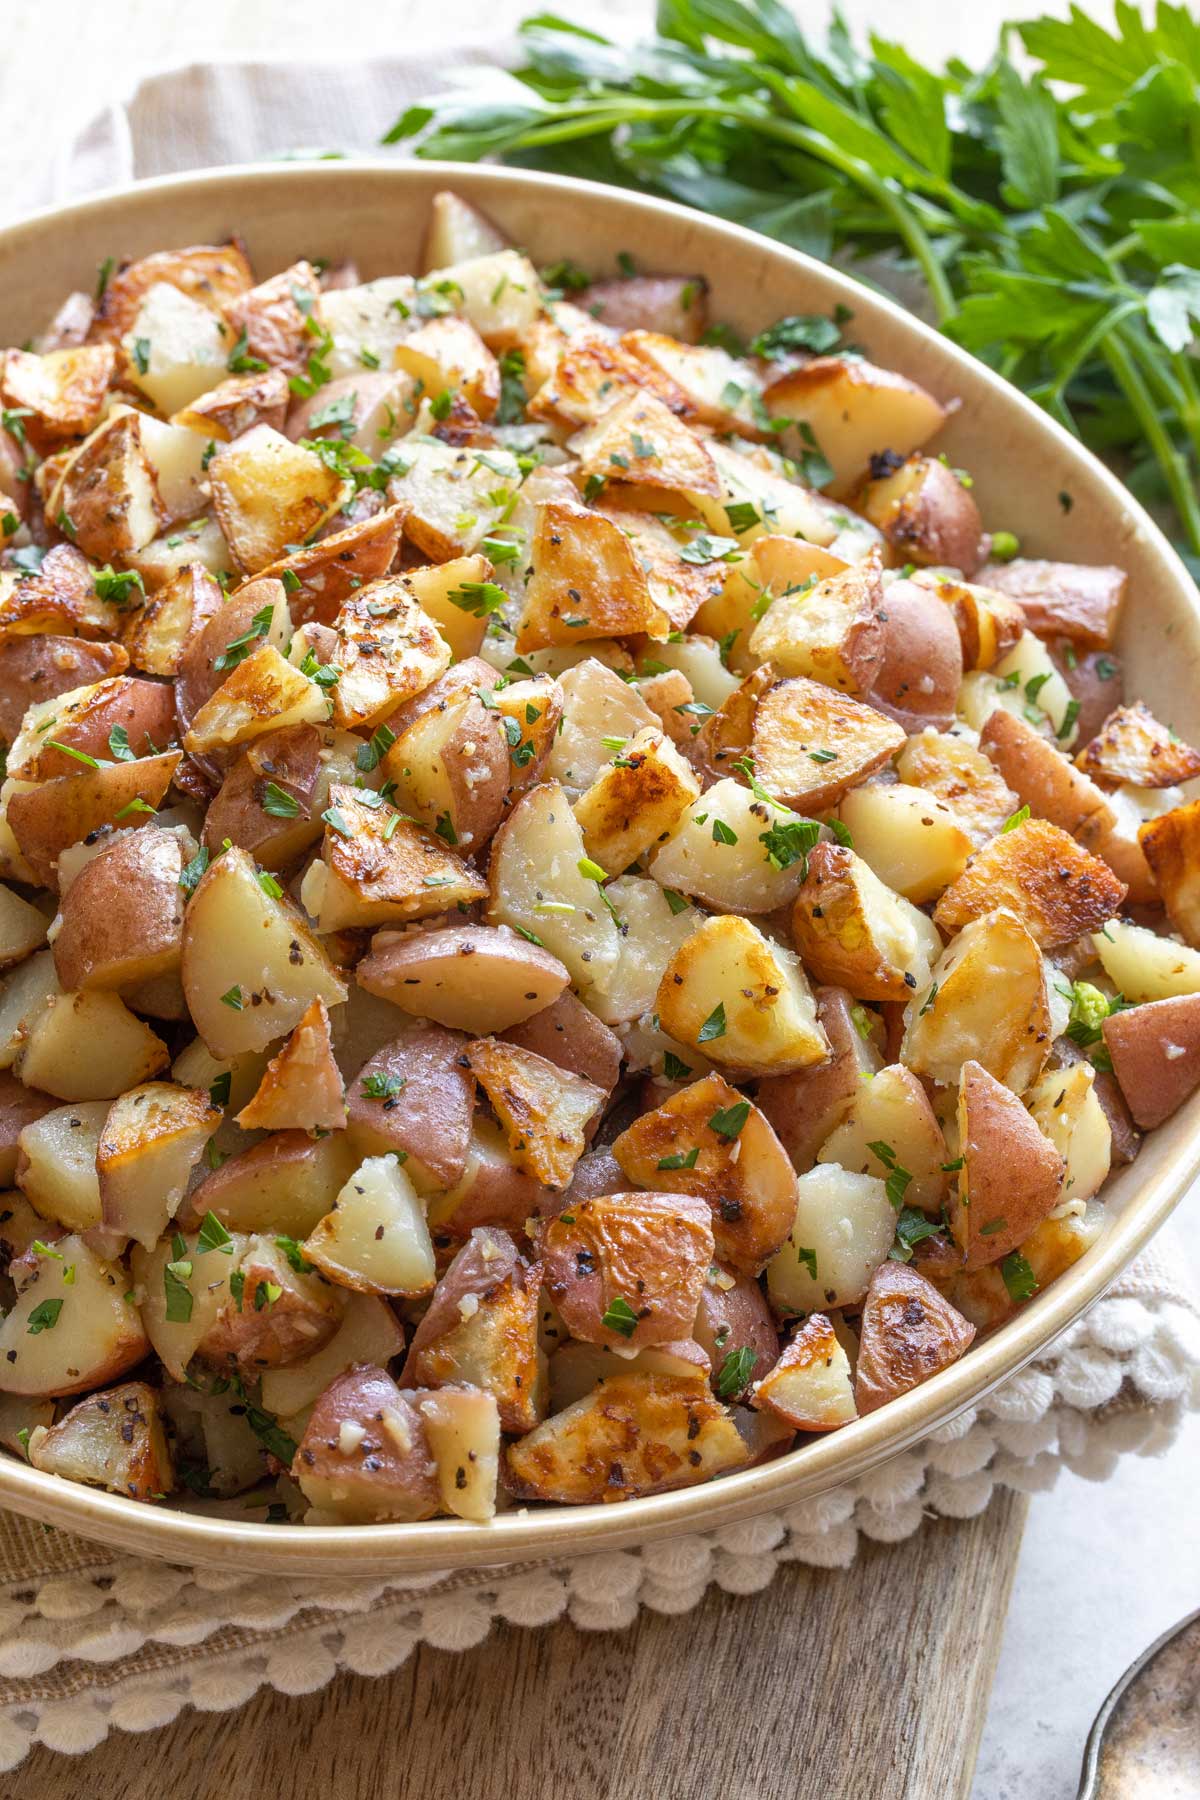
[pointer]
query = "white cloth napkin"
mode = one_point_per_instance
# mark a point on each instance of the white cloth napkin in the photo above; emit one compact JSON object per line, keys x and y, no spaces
{"x":90,"y":1642}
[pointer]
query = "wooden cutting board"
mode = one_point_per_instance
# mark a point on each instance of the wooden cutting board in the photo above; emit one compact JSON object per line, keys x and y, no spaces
{"x":866,"y":1684}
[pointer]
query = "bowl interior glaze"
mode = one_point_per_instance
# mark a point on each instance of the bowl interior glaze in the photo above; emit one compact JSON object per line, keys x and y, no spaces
{"x":1030,"y":477}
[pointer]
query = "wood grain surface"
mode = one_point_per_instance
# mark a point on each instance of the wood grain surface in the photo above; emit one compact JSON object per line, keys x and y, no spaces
{"x":861,"y":1684}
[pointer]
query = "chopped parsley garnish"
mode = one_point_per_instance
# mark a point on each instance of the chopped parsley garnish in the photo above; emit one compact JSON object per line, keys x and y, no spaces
{"x":239,"y":648}
{"x":619,"y":1316}
{"x":1018,"y":1277}
{"x":44,"y":1317}
{"x":713,"y":1026}
{"x":735,"y":1372}
{"x":729,"y":1120}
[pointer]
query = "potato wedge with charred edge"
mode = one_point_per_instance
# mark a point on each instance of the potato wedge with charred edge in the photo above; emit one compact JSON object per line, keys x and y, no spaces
{"x":338,"y":566}
{"x":60,"y":395}
{"x":921,"y":668}
{"x":831,"y":633}
{"x":591,"y":374}
{"x":988,"y":623}
{"x":854,"y":932}
{"x":709,"y":1141}
{"x":1042,"y":876}
{"x":811,"y":1386}
{"x":387,"y":650}
{"x":924,"y":511}
{"x":379,"y":868}
{"x":460,"y":627}
{"x":1065,"y":1106}
{"x":639,"y":441}
{"x":482,"y":1328}
{"x":628,"y":1268}
{"x":1045,"y":781}
{"x":803,"y":1108}
{"x":1011,"y":1177}
{"x":1171,"y":845}
{"x":369,"y":1332}
{"x":257,"y":613}
{"x":285,"y":1182}
{"x":1155,"y":1052}
{"x":375,"y":1239}
{"x":415,"y":1096}
{"x":891,"y":1126}
{"x":47,"y":819}
{"x":268,"y":493}
{"x":262,"y":693}
{"x":234,"y":406}
{"x":42,"y":667}
{"x":908,"y":1333}
{"x":965,"y":781}
{"x":726,"y":737}
{"x":463,"y":1428}
{"x":114,"y":1439}
{"x":636,"y":1434}
{"x":913,"y":842}
{"x":678,"y":585}
{"x":56,"y":1164}
{"x":741,"y":1000}
{"x":1132,"y":746}
{"x":272,"y":798}
{"x":108,"y":491}
{"x":301,"y":1088}
{"x":635,"y":801}
{"x":811,"y":743}
{"x":152,"y":1140}
{"x":585,"y":582}
{"x":66,"y":1337}
{"x":1078,"y":601}
{"x":156,"y":634}
{"x":987,"y":1002}
{"x":251,"y":967}
{"x":88,"y":1046}
{"x":365,"y":1455}
{"x":854,"y":409}
{"x":471,"y":977}
{"x":544,"y":1110}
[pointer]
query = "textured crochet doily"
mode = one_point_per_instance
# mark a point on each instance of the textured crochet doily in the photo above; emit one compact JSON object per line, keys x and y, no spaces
{"x":90,"y":1643}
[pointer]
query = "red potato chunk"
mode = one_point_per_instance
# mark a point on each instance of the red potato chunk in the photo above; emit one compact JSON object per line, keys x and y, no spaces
{"x":811,"y":1387}
{"x":1011,"y":1175}
{"x":1155,"y":1052}
{"x":733,"y":1321}
{"x":805,"y":1107}
{"x":1071,"y":600}
{"x":628,"y":1268}
{"x":471,"y":977}
{"x":275,"y":1315}
{"x":568,"y":1034}
{"x":708,"y":1140}
{"x":922,"y":667}
{"x":365,"y":1455}
{"x":415,"y":1096}
{"x":544,"y":1111}
{"x":34,"y":668}
{"x":908,"y":1333}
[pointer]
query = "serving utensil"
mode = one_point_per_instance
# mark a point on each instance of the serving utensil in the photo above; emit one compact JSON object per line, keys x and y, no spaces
{"x":1145,"y":1742}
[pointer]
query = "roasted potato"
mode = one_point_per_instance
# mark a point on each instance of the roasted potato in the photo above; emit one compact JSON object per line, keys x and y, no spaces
{"x":375,"y":1240}
{"x":380,"y":868}
{"x":1042,"y":876}
{"x":891,"y":1131}
{"x":764,"y":1020}
{"x":481,"y":1328}
{"x":908,"y":1333}
{"x":811,"y":1387}
{"x":269,"y":493}
{"x":365,"y":1455}
{"x":301,"y":1088}
{"x":924,"y":510}
{"x":286,"y":1182}
{"x":922,"y":665}
{"x":152,"y":1139}
{"x":122,"y":917}
{"x":431,"y":1126}
{"x":1155,"y":1051}
{"x":628,"y":1268}
{"x":544,"y":1110}
{"x":1071,"y":600}
{"x":854,"y":409}
{"x":913,"y":842}
{"x":1011,"y":1175}
{"x":113,"y":1439}
{"x":843,"y":1228}
{"x":733,"y":851}
{"x":1132,"y":746}
{"x":987,"y":1001}
{"x":852,"y":931}
{"x":831,"y":633}
{"x":805,"y":1106}
{"x":74,"y":1325}
{"x":810,"y":744}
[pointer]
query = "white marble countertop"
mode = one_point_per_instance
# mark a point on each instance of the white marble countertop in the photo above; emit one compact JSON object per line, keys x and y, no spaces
{"x":1104,"y":1568}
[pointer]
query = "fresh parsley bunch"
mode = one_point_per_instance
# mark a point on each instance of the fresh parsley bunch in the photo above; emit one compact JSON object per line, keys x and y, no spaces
{"x":1056,"y":227}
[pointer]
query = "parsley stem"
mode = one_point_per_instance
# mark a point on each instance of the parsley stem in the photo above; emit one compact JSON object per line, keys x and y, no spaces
{"x":1175,"y":470}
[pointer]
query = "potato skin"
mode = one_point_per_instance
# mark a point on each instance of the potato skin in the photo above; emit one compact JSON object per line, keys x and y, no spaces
{"x":42,"y":667}
{"x":428,"y":1116}
{"x":651,"y":1251}
{"x":908,"y":1333}
{"x":122,"y":918}
{"x":1071,"y":600}
{"x":381,"y":1468}
{"x":636,"y":1434}
{"x":734,"y":1318}
{"x":1038,"y":871}
{"x":922,"y":664}
{"x":477,"y":978}
{"x":1045,"y":781}
{"x":925,"y":512}
{"x":804,"y":1107}
{"x":569,"y":1033}
{"x":1155,"y":1050}
{"x":1011,"y":1175}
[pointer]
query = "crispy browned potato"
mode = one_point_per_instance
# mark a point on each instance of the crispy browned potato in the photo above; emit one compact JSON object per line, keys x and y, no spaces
{"x":60,"y":395}
{"x":74,"y":1325}
{"x":586,"y":582}
{"x":811,"y":1387}
{"x":122,"y":916}
{"x":709,"y":1141}
{"x":263,"y":693}
{"x":918,"y":679}
{"x":114,"y":1439}
{"x":544,"y":1110}
{"x":1045,"y":781}
{"x":1155,"y":1052}
{"x":962,"y":778}
{"x":332,"y":570}
{"x":855,"y":410}
{"x":1078,"y":601}
{"x":635,"y":801}
{"x":1171,"y":846}
{"x":1047,"y":880}
{"x":482,"y":1328}
{"x":216,"y":630}
{"x":268,"y":493}
{"x":924,"y":510}
{"x":209,"y":273}
{"x":416,"y":1096}
{"x":569,"y":1034}
{"x":628,"y":1268}
{"x":387,"y":650}
{"x":365,"y":1455}
{"x":237,"y":405}
{"x":1132,"y":746}
{"x":1011,"y":1177}
{"x":805,"y":1106}
{"x":270,"y":319}
{"x":987,"y":1001}
{"x":812,"y":743}
{"x":153,"y":1138}
{"x":48,"y":818}
{"x":472,"y":977}
{"x":301,"y":1088}
{"x":108,"y":490}
{"x":908,"y":1333}
{"x":741,"y":999}
{"x":588,"y":376}
{"x":448,"y":353}
{"x":852,"y":931}
{"x":379,"y":868}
